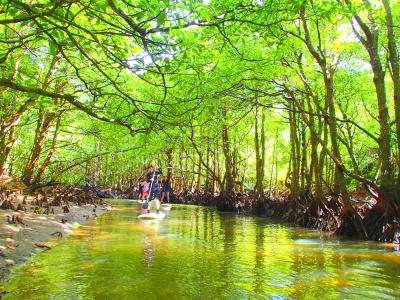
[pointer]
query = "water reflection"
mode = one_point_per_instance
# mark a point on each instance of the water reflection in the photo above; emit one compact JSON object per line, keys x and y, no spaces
{"x":149,"y":248}
{"x":197,"y":253}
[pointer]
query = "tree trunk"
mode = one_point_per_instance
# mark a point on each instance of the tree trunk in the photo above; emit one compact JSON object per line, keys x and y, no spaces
{"x":198,"y":183}
{"x":352,"y":222}
{"x":49,"y":156}
{"x":395,"y":68}
{"x":7,"y":131}
{"x":294,"y":152}
{"x":314,"y":154}
{"x":43,"y":127}
{"x":260,"y":160}
{"x":305,"y":183}
{"x":388,"y":201}
{"x":229,"y":179}
{"x":208,"y":182}
{"x":170,"y":168}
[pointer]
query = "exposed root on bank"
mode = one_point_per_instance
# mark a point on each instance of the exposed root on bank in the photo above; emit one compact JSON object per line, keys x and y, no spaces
{"x":352,"y":226}
{"x":323,"y":213}
{"x":383,"y":226}
{"x":227,"y":202}
{"x":320,"y":216}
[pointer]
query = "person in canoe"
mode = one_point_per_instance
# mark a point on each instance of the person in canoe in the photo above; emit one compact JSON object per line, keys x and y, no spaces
{"x":166,"y":188}
{"x":154,"y":191}
{"x":144,"y":189}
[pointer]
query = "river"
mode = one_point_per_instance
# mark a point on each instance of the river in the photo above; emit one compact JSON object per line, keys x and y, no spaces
{"x":198,"y":253}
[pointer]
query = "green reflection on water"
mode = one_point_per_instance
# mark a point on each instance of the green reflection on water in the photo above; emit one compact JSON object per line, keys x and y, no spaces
{"x":197,"y":253}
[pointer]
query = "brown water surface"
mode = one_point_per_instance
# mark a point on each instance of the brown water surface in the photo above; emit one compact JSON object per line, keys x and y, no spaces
{"x":198,"y":253}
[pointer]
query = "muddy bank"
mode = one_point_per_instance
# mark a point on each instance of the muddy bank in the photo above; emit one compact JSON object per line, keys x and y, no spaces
{"x":36,"y":222}
{"x":36,"y":232}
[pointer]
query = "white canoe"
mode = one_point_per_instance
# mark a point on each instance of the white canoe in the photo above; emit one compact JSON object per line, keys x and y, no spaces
{"x":152,"y":216}
{"x":166,"y":206}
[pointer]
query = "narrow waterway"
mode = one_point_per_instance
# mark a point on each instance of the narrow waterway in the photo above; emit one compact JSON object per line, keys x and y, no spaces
{"x":198,"y":253}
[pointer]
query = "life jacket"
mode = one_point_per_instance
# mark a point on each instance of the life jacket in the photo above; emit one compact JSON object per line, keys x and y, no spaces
{"x":145,"y":187}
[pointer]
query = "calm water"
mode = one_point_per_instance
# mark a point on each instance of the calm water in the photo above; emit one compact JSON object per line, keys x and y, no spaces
{"x":197,"y":253}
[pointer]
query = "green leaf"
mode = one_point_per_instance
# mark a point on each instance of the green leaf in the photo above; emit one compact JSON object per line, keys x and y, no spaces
{"x":44,"y":102}
{"x":162,"y":17}
{"x":135,"y":50}
{"x":71,"y":15}
{"x":13,"y":11}
{"x":52,"y":48}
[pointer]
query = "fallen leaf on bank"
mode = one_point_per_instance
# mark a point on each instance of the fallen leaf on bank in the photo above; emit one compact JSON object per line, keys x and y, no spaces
{"x":42,"y":245}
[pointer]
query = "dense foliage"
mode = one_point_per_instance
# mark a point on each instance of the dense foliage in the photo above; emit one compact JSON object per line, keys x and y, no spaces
{"x":292,"y":97}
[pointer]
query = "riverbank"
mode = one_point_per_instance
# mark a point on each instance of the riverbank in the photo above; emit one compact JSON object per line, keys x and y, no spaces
{"x":34,"y":232}
{"x":321,"y":214}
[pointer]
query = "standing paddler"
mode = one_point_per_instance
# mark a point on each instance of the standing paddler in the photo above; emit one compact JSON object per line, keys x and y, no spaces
{"x":154,"y":192}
